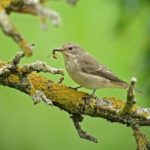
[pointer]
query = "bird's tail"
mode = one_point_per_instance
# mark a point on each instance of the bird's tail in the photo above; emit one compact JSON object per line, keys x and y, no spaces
{"x":122,"y":85}
{"x":136,"y":90}
{"x":125,"y":85}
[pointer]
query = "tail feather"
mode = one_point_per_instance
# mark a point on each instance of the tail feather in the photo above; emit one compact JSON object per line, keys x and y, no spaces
{"x":126,"y":85}
{"x":138,"y":91}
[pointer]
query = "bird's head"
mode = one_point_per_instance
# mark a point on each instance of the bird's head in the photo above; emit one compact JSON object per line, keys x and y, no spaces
{"x":70,"y":50}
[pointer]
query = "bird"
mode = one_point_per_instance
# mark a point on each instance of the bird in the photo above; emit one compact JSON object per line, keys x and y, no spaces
{"x":86,"y":71}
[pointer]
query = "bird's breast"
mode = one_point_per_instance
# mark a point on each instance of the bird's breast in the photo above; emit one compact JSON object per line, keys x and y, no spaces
{"x":86,"y":80}
{"x":72,"y":67}
{"x":74,"y":70}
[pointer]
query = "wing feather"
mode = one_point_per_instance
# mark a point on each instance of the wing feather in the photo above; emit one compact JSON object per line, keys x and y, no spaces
{"x":89,"y":65}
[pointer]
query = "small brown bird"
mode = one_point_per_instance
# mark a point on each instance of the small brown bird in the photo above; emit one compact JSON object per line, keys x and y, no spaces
{"x":85,"y":70}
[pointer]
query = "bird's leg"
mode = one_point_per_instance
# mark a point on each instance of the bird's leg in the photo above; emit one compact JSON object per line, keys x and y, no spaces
{"x":88,"y":98}
{"x":75,"y":88}
{"x":92,"y":95}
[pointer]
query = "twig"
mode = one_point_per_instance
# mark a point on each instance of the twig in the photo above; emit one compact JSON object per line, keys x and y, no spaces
{"x":12,"y":65}
{"x":141,"y":139}
{"x":76,"y":118}
{"x":15,"y":61}
{"x":39,"y":66}
{"x":131,"y":101}
{"x":40,"y":96}
{"x":9,"y":29}
{"x":50,"y":14}
{"x":35,"y":8}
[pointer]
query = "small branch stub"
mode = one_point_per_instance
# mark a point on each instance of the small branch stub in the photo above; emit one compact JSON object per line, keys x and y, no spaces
{"x":39,"y":66}
{"x":131,"y":101}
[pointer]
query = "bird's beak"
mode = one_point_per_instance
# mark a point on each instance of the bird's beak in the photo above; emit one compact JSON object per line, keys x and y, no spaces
{"x":57,"y":50}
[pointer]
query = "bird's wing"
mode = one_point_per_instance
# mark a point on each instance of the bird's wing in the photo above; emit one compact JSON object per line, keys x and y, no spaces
{"x":89,"y":65}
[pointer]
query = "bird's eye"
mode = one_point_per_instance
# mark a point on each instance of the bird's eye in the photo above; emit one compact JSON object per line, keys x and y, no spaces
{"x":70,"y":48}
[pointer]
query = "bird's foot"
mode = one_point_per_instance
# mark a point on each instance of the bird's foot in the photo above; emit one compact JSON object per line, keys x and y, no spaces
{"x":75,"y":88}
{"x":88,"y":98}
{"x":87,"y":102}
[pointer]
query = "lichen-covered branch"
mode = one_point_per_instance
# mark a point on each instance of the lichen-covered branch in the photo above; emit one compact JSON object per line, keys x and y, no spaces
{"x":32,"y":7}
{"x":35,"y":8}
{"x":25,"y":79}
{"x":9,"y":29}
{"x":141,"y":139}
{"x":131,"y":101}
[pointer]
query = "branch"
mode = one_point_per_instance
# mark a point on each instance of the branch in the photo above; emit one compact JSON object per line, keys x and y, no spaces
{"x":35,"y":8}
{"x":25,"y":79}
{"x":76,"y":118}
{"x":31,"y":7}
{"x":10,"y":30}
{"x":141,"y":139}
{"x":131,"y":101}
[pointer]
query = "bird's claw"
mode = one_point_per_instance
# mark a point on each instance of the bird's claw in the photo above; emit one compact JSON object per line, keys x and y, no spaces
{"x":87,"y":99}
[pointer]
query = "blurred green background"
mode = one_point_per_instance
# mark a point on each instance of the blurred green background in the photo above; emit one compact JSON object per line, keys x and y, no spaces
{"x":117,"y":34}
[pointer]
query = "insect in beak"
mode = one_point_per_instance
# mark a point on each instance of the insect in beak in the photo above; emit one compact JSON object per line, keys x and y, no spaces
{"x":54,"y":52}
